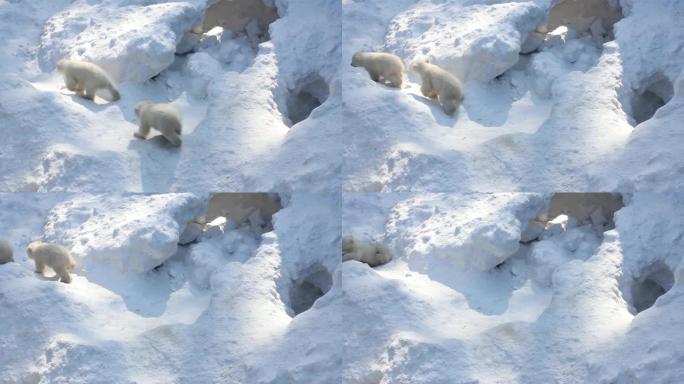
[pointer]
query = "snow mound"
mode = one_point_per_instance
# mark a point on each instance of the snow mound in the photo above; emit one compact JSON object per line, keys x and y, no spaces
{"x":478,"y":232}
{"x":131,"y":232}
{"x":474,"y":42}
{"x":130,"y":40}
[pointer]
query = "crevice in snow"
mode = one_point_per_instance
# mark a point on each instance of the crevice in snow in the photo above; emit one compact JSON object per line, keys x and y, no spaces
{"x":655,"y":93}
{"x":654,"y":282}
{"x":307,"y":95}
{"x":314,"y":283}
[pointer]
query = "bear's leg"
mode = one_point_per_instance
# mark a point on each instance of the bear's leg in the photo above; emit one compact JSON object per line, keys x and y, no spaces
{"x":449,"y":105}
{"x":143,"y":131}
{"x":89,"y":93}
{"x":395,"y":80}
{"x":173,"y":138}
{"x":374,"y":76}
{"x":64,"y":276}
{"x":71,"y":83}
{"x":112,"y":91}
{"x":40,"y":267}
{"x":426,"y":90}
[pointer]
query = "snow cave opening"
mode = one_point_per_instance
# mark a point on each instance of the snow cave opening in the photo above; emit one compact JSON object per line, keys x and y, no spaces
{"x":308,"y":95}
{"x":313,"y":284}
{"x":650,"y":286}
{"x":647,"y":100}
{"x":586,"y":17}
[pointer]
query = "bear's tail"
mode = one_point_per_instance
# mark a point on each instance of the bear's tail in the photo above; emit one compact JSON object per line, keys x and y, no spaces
{"x":115,"y":94}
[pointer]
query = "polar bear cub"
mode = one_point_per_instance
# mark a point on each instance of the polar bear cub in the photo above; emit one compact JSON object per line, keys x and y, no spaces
{"x":379,"y":65}
{"x":54,"y":256}
{"x":163,"y":117}
{"x":368,"y":252}
{"x":440,"y":84}
{"x":6,"y":254}
{"x":86,"y":78}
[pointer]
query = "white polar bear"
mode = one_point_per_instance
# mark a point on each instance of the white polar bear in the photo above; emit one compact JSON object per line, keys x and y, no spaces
{"x":379,"y":65}
{"x":6,"y":254}
{"x":163,"y":117}
{"x":54,"y":256}
{"x":86,"y":78}
{"x":440,"y":84}
{"x":368,"y":252}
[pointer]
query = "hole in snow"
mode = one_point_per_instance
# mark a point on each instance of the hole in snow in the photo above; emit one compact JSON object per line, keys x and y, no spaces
{"x":307,"y":96}
{"x":306,"y":290}
{"x":586,"y":17}
{"x":649,"y":99}
{"x":647,"y":289}
{"x":241,"y":17}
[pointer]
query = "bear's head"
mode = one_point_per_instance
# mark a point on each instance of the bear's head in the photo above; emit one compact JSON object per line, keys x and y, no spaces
{"x":62,"y":64}
{"x":31,"y":247}
{"x":347,"y":244}
{"x":357,"y":59}
{"x":419,"y":65}
{"x":139,"y":107}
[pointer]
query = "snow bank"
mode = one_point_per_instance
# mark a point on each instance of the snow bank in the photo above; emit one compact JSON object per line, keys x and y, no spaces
{"x":131,"y":232}
{"x":472,"y":41}
{"x":478,"y":232}
{"x":130,"y":40}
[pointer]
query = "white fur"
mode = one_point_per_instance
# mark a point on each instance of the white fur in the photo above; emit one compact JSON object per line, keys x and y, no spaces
{"x":380,"y":65}
{"x":440,"y":84}
{"x":163,"y":117}
{"x":368,"y":252}
{"x":54,"y":256}
{"x":6,"y":254}
{"x":86,"y":78}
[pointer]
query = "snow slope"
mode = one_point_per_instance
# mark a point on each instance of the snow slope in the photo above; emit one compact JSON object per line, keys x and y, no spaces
{"x":217,"y":310}
{"x":557,"y":310}
{"x":233,"y":97}
{"x":556,"y":119}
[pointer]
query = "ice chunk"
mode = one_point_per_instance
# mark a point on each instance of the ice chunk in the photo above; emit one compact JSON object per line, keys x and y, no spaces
{"x":131,"y":43}
{"x":132,"y":232}
{"x":470,"y":41}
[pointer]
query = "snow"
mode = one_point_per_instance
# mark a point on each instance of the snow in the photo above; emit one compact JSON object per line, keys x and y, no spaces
{"x":215,"y":310}
{"x":508,"y":265}
{"x":558,"y":118}
{"x":232,"y":94}
{"x":559,"y":309}
{"x":130,"y":40}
